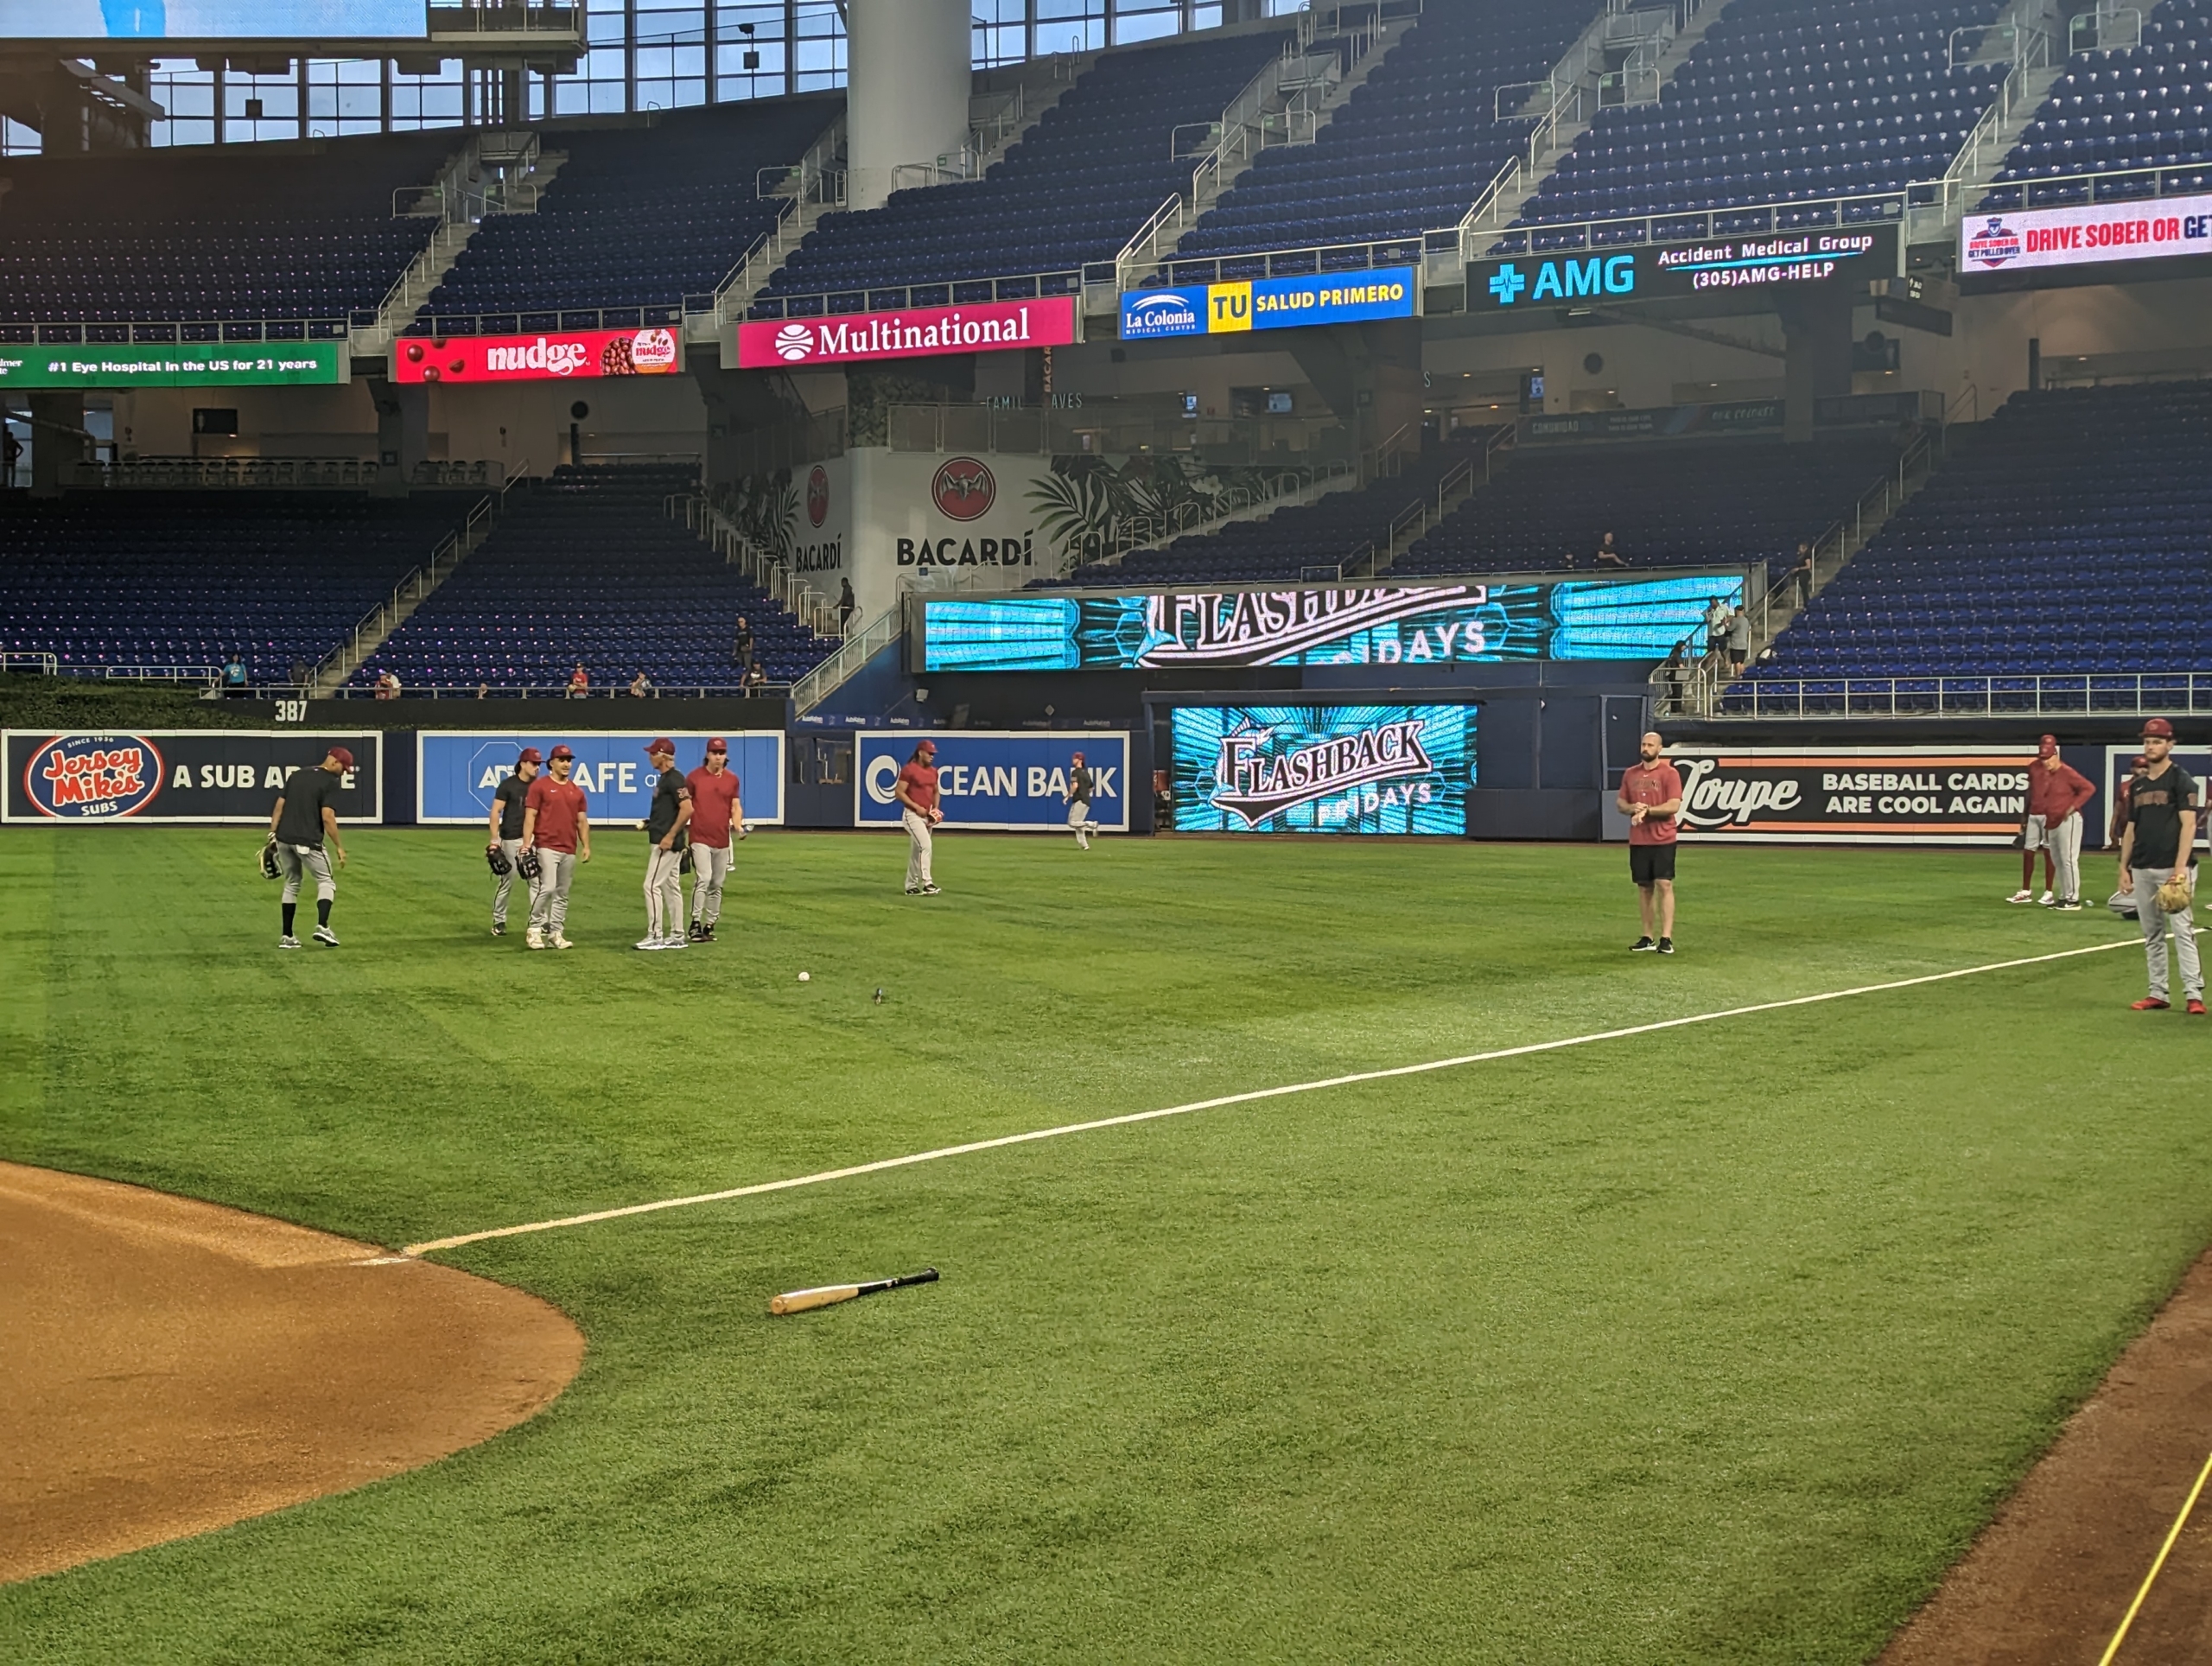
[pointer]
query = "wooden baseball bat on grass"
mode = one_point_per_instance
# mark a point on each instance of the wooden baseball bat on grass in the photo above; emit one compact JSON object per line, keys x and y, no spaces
{"x":826,"y":1295}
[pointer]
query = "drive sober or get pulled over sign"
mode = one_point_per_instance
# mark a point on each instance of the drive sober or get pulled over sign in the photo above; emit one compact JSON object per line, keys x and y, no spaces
{"x":1890,"y":795}
{"x":178,"y":775}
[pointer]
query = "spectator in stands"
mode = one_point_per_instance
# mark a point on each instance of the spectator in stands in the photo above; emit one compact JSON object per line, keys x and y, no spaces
{"x":483,"y":690}
{"x":1609,"y":553}
{"x":1801,"y":575}
{"x":300,"y":672}
{"x":1716,"y":627}
{"x":740,"y":648}
{"x":388,"y":686}
{"x":641,"y":687}
{"x":234,"y":676}
{"x":754,"y":679}
{"x":579,"y":683}
{"x":11,"y":453}
{"x":1676,"y":669}
{"x":1739,"y":639}
{"x":1567,"y":559}
{"x":848,"y":605}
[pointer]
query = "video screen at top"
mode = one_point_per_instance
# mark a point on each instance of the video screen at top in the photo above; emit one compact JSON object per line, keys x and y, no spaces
{"x":212,"y":20}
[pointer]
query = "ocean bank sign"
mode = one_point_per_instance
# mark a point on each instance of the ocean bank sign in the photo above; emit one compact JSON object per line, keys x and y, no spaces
{"x":996,"y":780}
{"x":1268,"y":303}
{"x":457,"y":772}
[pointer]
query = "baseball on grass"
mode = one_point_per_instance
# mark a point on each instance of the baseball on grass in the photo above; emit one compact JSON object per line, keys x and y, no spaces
{"x":806,"y":977}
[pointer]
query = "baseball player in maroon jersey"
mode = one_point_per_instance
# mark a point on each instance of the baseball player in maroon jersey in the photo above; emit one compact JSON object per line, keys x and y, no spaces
{"x":2056,"y":792}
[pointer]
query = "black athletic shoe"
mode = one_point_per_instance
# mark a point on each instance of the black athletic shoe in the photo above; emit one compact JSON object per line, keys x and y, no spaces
{"x":693,"y":933}
{"x":1665,"y":946}
{"x":1643,"y":945}
{"x":499,"y":928}
{"x":706,"y":934}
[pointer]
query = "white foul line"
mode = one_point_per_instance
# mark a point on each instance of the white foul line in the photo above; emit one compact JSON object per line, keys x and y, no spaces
{"x":881,"y":1164}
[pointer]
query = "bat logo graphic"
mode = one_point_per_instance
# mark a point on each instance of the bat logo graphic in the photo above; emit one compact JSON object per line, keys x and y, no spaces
{"x":963,"y":489}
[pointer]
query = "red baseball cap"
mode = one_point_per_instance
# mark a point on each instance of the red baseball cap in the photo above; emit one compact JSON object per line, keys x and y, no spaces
{"x":345,"y":758}
{"x":563,"y":752}
{"x":662,"y":744}
{"x":2141,"y":762}
{"x":718,"y":744}
{"x":926,"y":746}
{"x":528,"y":755}
{"x":2159,"y":727}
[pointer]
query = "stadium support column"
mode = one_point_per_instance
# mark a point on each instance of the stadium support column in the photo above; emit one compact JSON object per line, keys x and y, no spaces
{"x":906,"y":93}
{"x":58,"y":439}
{"x":1816,"y":334}
{"x":403,"y":435}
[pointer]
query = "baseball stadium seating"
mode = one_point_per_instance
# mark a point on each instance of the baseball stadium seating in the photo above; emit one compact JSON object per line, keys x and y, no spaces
{"x":2144,"y":106}
{"x":1788,"y":101}
{"x":636,"y":216}
{"x":1409,"y":150}
{"x":1668,"y":502}
{"x":2070,"y":533}
{"x":195,"y":234}
{"x":188,"y":578}
{"x":1073,"y":189}
{"x":588,"y":567}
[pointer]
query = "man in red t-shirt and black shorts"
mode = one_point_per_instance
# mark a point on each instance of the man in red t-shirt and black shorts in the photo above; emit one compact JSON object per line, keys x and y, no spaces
{"x":1651,"y":799}
{"x":716,"y":812}
{"x":917,"y":793}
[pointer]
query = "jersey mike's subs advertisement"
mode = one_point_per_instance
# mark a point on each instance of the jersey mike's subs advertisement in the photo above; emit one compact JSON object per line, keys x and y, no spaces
{"x":1888,"y":795}
{"x":179,"y":775}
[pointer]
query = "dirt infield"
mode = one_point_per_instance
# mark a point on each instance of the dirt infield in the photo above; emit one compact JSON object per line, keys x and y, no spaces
{"x":169,"y":1366}
{"x":2049,"y":1580}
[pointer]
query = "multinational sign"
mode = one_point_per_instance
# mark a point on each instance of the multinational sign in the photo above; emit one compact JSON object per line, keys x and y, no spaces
{"x":911,"y":333}
{"x":2090,"y":235}
{"x":553,"y":355}
{"x":1269,"y":303}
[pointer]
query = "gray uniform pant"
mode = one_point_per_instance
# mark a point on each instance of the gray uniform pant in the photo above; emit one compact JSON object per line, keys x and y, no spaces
{"x":917,"y":850}
{"x":548,"y":898}
{"x":511,"y":849}
{"x":2063,"y":841}
{"x":300,"y":858}
{"x":664,"y":891}
{"x":1079,"y":822}
{"x":2153,"y":920}
{"x":710,"y":868}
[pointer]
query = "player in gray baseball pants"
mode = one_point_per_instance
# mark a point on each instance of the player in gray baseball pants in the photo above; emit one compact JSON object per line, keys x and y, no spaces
{"x":509,"y":811}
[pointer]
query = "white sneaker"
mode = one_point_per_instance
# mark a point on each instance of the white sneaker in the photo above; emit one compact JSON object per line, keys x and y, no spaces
{"x":560,"y":942}
{"x":325,"y":936}
{"x":2047,"y":899}
{"x":650,"y":943}
{"x":288,"y":942}
{"x":676,"y":943}
{"x":535,"y":938}
{"x":2021,"y":895}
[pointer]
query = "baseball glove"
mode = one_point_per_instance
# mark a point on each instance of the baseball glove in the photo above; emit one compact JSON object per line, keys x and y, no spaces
{"x":2173,"y":895}
{"x":527,"y":864}
{"x":685,"y":867}
{"x":270,"y":870}
{"x":496,"y":859}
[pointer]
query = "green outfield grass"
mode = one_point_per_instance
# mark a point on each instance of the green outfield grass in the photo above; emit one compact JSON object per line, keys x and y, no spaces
{"x":1713,"y":1345}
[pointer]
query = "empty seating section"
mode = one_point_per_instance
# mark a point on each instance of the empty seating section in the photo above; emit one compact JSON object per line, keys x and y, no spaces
{"x":1788,"y":101}
{"x":192,"y":234}
{"x":2146,"y":106}
{"x":1686,"y":503}
{"x":1336,"y":528}
{"x":588,"y":567}
{"x":2072,"y":532}
{"x":1073,"y":189}
{"x":188,"y":578}
{"x":637,"y":217}
{"x":1412,"y":149}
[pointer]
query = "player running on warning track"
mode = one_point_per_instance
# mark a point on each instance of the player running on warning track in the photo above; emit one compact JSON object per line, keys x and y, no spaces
{"x":917,"y":791}
{"x":299,"y":823}
{"x":1651,"y":799}
{"x":2057,"y":792}
{"x":664,"y":827}
{"x":2159,"y":843}
{"x":1082,"y":783}
{"x":556,"y":829}
{"x":508,"y":814}
{"x":716,"y":811}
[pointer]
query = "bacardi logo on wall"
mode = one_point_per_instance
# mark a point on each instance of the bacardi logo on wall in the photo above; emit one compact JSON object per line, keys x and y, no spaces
{"x":914,"y":333}
{"x":817,"y":496}
{"x":552,"y":355}
{"x":963,"y":489}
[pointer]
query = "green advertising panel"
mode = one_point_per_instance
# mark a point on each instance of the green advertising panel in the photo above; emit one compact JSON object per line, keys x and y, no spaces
{"x":169,"y":364}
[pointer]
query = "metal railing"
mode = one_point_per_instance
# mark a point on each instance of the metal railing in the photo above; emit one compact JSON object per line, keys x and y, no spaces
{"x":815,"y":181}
{"x":117,"y":332}
{"x":2107,"y":28}
{"x":53,"y":665}
{"x":789,"y":590}
{"x":1413,"y":522}
{"x":854,"y":651}
{"x":667,"y":315}
{"x":374,"y":625}
{"x":772,"y":690}
{"x":2119,"y":694}
{"x":2112,"y":185}
{"x":272,"y":474}
{"x":1936,"y":205}
{"x":1679,"y":225}
{"x":1772,"y":607}
{"x":831,"y":303}
{"x":40,"y":664}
